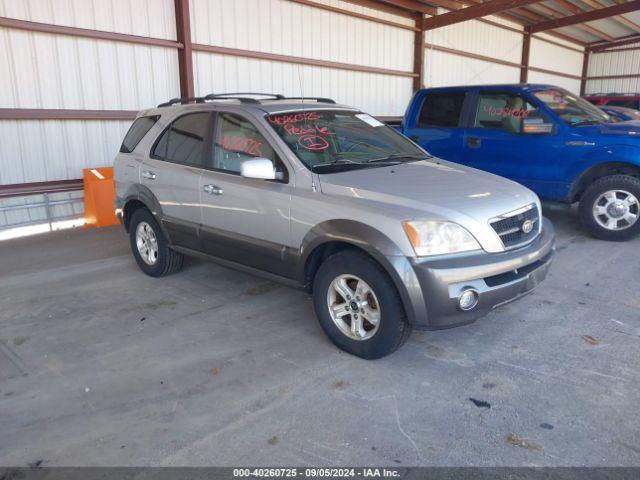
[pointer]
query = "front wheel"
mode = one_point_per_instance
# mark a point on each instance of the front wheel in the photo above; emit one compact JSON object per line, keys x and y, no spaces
{"x":609,"y":208}
{"x":358,"y":306}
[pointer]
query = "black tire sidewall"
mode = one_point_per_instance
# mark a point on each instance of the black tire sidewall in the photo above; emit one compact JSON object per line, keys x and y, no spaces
{"x":613,"y":182}
{"x":393,"y":327}
{"x":158,"y":268}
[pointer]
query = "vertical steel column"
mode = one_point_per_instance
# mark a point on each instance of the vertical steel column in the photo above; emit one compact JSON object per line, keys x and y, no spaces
{"x":585,"y":69}
{"x":418,"y":53}
{"x":185,"y":54}
{"x":524,"y":62}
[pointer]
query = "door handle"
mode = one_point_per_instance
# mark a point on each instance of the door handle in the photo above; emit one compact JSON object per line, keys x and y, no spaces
{"x":148,"y":174}
{"x":474,"y":142}
{"x":212,"y":189}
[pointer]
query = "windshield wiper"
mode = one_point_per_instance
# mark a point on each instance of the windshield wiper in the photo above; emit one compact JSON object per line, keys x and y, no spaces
{"x":399,"y":156}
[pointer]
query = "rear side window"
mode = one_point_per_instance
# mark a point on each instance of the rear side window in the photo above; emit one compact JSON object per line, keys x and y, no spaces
{"x":136,"y":132}
{"x":184,"y":141}
{"x":441,"y":109}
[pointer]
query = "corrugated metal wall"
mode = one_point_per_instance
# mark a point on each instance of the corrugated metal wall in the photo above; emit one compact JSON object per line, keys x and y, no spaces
{"x":551,"y":57}
{"x":626,"y":62}
{"x":443,"y":68}
{"x":61,"y":72}
{"x":287,"y":28}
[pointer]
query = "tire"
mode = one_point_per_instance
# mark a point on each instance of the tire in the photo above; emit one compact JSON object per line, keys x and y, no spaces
{"x":360,"y":271}
{"x":605,"y":194}
{"x":165,"y":261}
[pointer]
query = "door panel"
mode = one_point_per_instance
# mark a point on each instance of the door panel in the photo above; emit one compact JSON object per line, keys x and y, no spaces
{"x":495,"y":143}
{"x":244,"y":220}
{"x":438,"y":125}
{"x":173,"y":176}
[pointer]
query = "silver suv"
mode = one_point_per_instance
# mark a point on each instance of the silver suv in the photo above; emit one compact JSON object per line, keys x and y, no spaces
{"x":326,"y":197}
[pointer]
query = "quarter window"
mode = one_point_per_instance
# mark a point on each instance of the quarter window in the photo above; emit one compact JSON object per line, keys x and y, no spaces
{"x":238,"y":140}
{"x":441,"y":110}
{"x":504,"y":111}
{"x":136,"y":132}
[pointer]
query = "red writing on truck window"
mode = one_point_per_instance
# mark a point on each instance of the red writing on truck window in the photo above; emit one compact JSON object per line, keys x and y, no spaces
{"x":293,"y":118}
{"x":249,"y":146}
{"x":506,"y":112}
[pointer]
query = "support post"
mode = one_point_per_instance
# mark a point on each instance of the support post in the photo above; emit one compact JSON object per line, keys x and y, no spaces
{"x":526,"y":48}
{"x":418,"y":53}
{"x":585,"y":69}
{"x":185,"y":54}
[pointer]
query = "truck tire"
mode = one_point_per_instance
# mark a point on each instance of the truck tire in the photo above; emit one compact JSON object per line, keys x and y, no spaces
{"x":609,"y":208}
{"x":150,"y":247}
{"x":358,"y":305}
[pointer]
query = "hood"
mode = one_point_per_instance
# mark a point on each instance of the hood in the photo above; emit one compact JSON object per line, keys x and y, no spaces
{"x":436,"y":190}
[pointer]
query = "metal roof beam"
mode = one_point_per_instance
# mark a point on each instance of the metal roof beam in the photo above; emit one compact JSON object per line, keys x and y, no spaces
{"x":475,"y":11}
{"x":587,"y":16}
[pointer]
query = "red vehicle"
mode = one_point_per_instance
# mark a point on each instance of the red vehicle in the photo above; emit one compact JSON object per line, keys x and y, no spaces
{"x":627,"y":100}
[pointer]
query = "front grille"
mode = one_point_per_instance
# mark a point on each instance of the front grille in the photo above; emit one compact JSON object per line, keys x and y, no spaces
{"x":509,"y":227}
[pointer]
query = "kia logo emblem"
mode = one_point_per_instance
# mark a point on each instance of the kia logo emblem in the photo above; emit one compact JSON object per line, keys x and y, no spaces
{"x":527,"y":226}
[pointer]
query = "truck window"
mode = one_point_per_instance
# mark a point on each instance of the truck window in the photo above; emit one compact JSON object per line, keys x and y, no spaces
{"x":183,"y":141}
{"x":441,"y":109}
{"x":503,"y":111}
{"x":136,"y":132}
{"x":237,"y":140}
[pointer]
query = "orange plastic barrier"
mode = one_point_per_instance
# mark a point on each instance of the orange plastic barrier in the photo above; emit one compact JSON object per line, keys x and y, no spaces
{"x":99,"y":197}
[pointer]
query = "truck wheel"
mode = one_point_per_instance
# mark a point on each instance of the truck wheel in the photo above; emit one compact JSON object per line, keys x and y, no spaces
{"x":150,"y":248}
{"x":609,"y":208}
{"x":358,"y":306}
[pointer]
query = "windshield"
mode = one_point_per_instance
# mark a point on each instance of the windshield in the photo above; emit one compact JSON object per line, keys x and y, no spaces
{"x":327,"y":141}
{"x":573,"y":110}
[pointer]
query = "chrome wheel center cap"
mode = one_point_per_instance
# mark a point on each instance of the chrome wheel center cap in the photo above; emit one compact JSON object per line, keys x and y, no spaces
{"x":617,"y":209}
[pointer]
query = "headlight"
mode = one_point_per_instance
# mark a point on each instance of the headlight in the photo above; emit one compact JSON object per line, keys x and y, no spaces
{"x":435,"y":238}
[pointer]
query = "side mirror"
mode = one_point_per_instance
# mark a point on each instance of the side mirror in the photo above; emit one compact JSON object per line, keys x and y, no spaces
{"x":260,"y":168}
{"x":536,"y":126}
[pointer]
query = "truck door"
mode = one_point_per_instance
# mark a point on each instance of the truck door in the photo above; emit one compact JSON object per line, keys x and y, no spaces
{"x":513,"y":138}
{"x":437,"y":127}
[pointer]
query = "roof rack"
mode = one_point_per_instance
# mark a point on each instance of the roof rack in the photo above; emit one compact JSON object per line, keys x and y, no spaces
{"x":317,"y":99}
{"x":241,"y":96}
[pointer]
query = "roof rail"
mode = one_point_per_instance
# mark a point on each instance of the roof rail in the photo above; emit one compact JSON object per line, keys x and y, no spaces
{"x":317,"y":99}
{"x":242,"y":97}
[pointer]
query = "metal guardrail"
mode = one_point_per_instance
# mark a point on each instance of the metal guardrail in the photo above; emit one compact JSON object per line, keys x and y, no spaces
{"x":44,"y":189}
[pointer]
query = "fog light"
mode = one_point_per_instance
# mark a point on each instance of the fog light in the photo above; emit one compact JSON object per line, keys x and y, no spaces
{"x":468,"y":300}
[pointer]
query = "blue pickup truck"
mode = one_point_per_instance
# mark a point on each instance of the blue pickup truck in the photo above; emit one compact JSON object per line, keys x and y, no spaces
{"x":554,"y":142}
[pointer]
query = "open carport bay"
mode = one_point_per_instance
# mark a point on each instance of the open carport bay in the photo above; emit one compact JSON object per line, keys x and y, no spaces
{"x":102,"y":365}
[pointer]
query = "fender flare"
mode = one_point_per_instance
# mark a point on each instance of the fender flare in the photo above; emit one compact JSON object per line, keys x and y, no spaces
{"x":148,"y":199}
{"x":380,"y":247}
{"x":594,"y":170}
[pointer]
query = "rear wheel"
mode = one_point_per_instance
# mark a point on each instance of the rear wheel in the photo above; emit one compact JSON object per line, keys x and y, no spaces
{"x":149,"y":246}
{"x":610,"y":208}
{"x":358,"y":306}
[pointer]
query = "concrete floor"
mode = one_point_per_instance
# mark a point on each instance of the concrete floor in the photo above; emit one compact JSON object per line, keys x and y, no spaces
{"x":101,"y":365}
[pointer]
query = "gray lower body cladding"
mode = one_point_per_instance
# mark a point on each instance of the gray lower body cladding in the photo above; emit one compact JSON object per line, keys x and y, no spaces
{"x":433,"y":286}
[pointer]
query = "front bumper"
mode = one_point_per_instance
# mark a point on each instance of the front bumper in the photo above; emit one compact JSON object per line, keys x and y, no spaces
{"x":497,"y":278}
